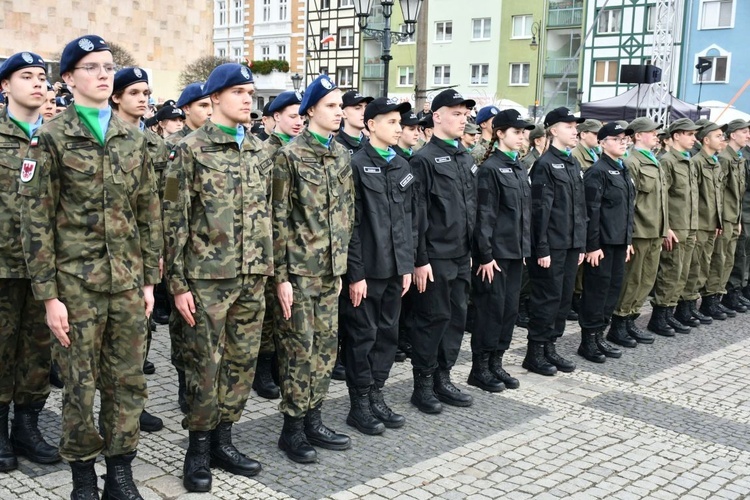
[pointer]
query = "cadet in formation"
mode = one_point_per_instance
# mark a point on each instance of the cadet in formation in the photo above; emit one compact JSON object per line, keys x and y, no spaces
{"x":24,"y":338}
{"x":380,"y":263}
{"x":313,"y":215}
{"x":484,"y":122}
{"x":197,"y":108}
{"x":91,"y":233}
{"x":502,"y":240}
{"x":218,"y":249}
{"x":739,"y":138}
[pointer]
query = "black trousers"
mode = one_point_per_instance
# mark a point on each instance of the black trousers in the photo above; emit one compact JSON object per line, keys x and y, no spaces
{"x":370,"y":332}
{"x":601,"y":289}
{"x":551,"y":294}
{"x":497,"y":306}
{"x":440,"y":315}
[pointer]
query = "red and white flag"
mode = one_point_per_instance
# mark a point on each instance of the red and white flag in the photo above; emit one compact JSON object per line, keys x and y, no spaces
{"x":327,"y":39}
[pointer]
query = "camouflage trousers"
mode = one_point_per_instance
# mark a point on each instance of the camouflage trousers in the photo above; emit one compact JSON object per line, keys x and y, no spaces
{"x":107,"y":348}
{"x":176,"y":337}
{"x":674,"y":268}
{"x":267,"y":344}
{"x":722,"y":259}
{"x":25,"y":339}
{"x":221,"y":350}
{"x":307,"y":343}
{"x":700,"y":264}
{"x":640,"y":274}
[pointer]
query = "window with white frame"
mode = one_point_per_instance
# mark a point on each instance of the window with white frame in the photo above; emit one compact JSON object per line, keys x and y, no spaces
{"x":409,"y":38}
{"x":265,"y":52}
{"x":266,"y":10}
{"x":610,"y":21}
{"x":519,"y":73}
{"x":281,"y":49}
{"x":346,"y":38}
{"x":719,"y":71}
{"x":237,"y":11}
{"x":325,"y":4}
{"x":221,"y":13}
{"x":481,"y":28}
{"x":222,"y":53}
{"x":346,"y":3}
{"x":442,"y":75}
{"x":283,"y":10}
{"x":237,"y":54}
{"x":522,"y":26}
{"x":716,"y":14}
{"x":443,"y":31}
{"x":345,"y":76}
{"x":324,"y":33}
{"x":405,"y":76}
{"x":605,"y":71}
{"x":480,"y":74}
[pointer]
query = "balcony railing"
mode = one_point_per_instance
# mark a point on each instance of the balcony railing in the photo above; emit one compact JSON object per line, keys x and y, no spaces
{"x":374,"y":71}
{"x":560,"y":66}
{"x":560,"y":18}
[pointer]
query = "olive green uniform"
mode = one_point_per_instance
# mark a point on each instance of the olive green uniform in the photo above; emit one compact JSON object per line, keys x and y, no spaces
{"x":218,"y":246}
{"x":650,"y":225}
{"x":739,"y":275}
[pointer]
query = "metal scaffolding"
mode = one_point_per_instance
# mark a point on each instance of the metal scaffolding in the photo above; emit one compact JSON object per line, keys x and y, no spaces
{"x":663,"y":53}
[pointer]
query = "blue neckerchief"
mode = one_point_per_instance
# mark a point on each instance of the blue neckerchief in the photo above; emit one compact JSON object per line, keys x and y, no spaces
{"x":391,"y":154}
{"x":240,"y":135}
{"x":32,"y":126}
{"x":104,"y":116}
{"x":142,"y":125}
{"x":620,"y":165}
{"x":716,"y":158}
{"x":739,"y":153}
{"x":593,"y":154}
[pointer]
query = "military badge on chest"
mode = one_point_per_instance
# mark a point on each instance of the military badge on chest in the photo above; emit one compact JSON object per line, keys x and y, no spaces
{"x":28,"y":169}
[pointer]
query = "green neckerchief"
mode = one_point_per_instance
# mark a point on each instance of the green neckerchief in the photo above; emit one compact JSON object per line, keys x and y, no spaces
{"x":513,"y":155}
{"x":384,"y":153}
{"x":92,"y":119}
{"x":23,"y":126}
{"x":229,"y":130}
{"x":408,"y":152}
{"x":284,"y":137}
{"x":452,"y":142}
{"x":355,"y":139}
{"x":648,"y":154}
{"x":565,"y":152}
{"x":592,"y":153}
{"x":686,"y":154}
{"x":325,"y":141}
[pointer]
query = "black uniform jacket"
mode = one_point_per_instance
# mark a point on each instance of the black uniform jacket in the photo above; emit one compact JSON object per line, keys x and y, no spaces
{"x":446,"y":200}
{"x":382,"y":245}
{"x":610,"y":204}
{"x":503,"y":229}
{"x":352,"y":145}
{"x":558,"y":206}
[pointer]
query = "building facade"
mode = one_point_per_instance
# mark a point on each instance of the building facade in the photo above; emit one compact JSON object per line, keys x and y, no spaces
{"x":332,"y":42}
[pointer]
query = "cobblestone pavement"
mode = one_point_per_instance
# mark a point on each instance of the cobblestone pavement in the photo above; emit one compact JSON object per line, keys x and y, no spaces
{"x":670,"y":420}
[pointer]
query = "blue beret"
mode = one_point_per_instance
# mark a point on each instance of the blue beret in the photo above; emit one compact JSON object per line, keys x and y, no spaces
{"x":129,"y":76}
{"x":78,"y":49}
{"x":317,"y":90}
{"x":486,"y":113}
{"x":227,"y":75}
{"x":191,"y":93}
{"x":285,"y":99}
{"x":19,"y":61}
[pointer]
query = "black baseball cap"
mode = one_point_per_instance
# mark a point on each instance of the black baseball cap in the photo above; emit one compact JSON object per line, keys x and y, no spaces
{"x":352,"y":98}
{"x":561,"y":114}
{"x":409,"y":119}
{"x":510,"y":118}
{"x":383,"y":105}
{"x":450,"y":98}
{"x":427,"y":121}
{"x":613,"y":129}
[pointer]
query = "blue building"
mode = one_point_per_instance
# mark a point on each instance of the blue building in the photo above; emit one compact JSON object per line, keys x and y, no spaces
{"x":716,"y":30}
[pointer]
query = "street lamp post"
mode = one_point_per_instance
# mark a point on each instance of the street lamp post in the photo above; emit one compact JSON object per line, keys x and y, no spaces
{"x":296,"y":81}
{"x":536,"y":41}
{"x":410,"y":11}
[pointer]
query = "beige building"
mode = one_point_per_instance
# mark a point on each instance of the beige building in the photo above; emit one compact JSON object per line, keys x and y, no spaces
{"x":162,"y":36}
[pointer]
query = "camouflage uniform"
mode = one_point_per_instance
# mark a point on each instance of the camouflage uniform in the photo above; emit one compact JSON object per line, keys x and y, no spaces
{"x":178,"y":136}
{"x":91,"y":236}
{"x":218,"y":246}
{"x":24,"y":337}
{"x":313,"y":208}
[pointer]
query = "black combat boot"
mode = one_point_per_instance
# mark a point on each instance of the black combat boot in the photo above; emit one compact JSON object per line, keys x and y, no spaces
{"x":196,"y":471}
{"x":710,"y":307}
{"x":731,"y":313}
{"x":741,"y":297}
{"x":84,"y":480}
{"x":522,"y":321}
{"x":448,"y":393}
{"x":496,"y":367}
{"x":535,"y":361}
{"x":320,"y":435}
{"x":676,"y":324}
{"x":148,"y":368}
{"x":225,"y":455}
{"x":360,"y":415}
{"x":118,"y":484}
{"x":732,"y":301}
{"x":618,"y":333}
{"x":658,"y":322}
{"x":562,"y":364}
{"x":381,"y":411}
{"x":605,"y":347}
{"x":588,"y":348}
{"x":481,"y":376}
{"x":294,"y":442}
{"x":25,"y":436}
{"x":263,"y":382}
{"x":8,"y":460}
{"x":682,"y":314}
{"x":150,"y":423}
{"x":400,"y":356}
{"x":746,"y":292}
{"x":423,"y":396}
{"x":640,"y":336}
{"x":697,"y":314}
{"x":55,"y":380}
{"x":181,"y":392}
